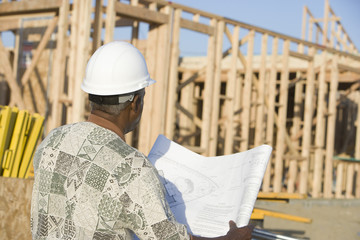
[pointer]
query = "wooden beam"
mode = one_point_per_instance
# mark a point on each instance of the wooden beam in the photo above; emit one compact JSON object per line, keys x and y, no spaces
{"x":246,"y":100}
{"x":24,"y":7}
{"x":308,"y":115}
{"x":231,"y":93}
{"x":173,"y":75}
{"x":9,"y":24}
{"x":141,"y":14}
{"x":348,"y":68}
{"x":216,"y":90}
{"x":330,"y":134}
{"x":300,"y":55}
{"x":109,"y":21}
{"x":320,"y":129}
{"x":281,"y":130}
{"x":208,"y":90}
{"x":198,"y":27}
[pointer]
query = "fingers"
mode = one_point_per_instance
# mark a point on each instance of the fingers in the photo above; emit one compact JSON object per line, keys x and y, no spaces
{"x":232,"y":224}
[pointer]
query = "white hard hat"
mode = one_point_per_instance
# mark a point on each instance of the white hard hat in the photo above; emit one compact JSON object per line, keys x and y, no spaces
{"x":116,"y":68}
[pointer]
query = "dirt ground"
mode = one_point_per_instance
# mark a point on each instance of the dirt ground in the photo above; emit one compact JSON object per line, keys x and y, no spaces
{"x":331,"y":219}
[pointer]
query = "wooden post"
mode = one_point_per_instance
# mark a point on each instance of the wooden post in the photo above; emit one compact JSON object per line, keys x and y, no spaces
{"x":82,"y":55}
{"x":98,"y":24}
{"x":58,"y":69}
{"x":339,"y":179}
{"x":110,"y":21}
{"x":271,"y":110}
{"x":216,"y":90}
{"x":245,"y":124}
{"x":259,"y":126}
{"x":208,"y":90}
{"x":308,"y":113}
{"x":357,"y":146}
{"x":161,"y":76}
{"x":331,"y":121}
{"x":326,"y":22}
{"x":74,"y":36}
{"x":281,"y":127}
{"x":231,"y":93}
{"x":320,"y":129}
{"x":173,"y":75}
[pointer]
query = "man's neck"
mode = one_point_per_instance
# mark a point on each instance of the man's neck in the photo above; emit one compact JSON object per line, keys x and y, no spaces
{"x":107,"y":121}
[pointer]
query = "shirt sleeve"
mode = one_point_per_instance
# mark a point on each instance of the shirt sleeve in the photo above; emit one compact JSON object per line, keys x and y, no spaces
{"x":146,"y":212}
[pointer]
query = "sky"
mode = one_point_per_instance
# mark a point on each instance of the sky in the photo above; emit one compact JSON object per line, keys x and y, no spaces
{"x":283,"y":16}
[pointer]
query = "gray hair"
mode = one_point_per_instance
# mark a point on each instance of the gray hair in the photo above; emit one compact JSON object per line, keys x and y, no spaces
{"x":111,"y":109}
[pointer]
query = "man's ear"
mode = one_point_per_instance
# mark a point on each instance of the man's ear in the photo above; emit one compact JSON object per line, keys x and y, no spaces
{"x":136,"y":103}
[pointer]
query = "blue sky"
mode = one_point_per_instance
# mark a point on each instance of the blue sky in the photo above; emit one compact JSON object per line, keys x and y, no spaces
{"x":283,"y":16}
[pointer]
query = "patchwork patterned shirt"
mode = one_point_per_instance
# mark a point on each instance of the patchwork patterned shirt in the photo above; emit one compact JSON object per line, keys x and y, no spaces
{"x":89,"y":184}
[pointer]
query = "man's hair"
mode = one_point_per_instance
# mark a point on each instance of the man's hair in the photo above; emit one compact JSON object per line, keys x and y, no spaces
{"x":113,"y":109}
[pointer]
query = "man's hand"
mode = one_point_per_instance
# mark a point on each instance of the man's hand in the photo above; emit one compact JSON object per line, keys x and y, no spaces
{"x":235,"y":233}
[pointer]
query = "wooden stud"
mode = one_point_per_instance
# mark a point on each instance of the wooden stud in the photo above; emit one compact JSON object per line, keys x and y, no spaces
{"x":208,"y":90}
{"x":82,"y":55}
{"x":246,"y":100}
{"x":231,"y":93}
{"x":281,"y":131}
{"x":320,"y":129}
{"x":98,"y":23}
{"x":216,"y":90}
{"x":331,"y":121}
{"x":308,"y":113}
{"x":110,"y":21}
{"x":259,"y":128}
{"x":173,"y":75}
{"x":357,"y":146}
{"x":271,"y":111}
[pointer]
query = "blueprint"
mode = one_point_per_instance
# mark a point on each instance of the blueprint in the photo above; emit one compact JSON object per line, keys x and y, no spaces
{"x":204,"y":193}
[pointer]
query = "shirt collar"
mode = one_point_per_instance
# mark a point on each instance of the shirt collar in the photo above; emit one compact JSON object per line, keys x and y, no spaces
{"x":103,"y":122}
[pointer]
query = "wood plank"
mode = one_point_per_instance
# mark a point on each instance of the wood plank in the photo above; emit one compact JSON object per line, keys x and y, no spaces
{"x":141,"y":14}
{"x":259,"y":125}
{"x":320,"y":129}
{"x":9,"y":24}
{"x":198,"y":27}
{"x":348,"y":68}
{"x":24,"y":7}
{"x":301,"y":56}
{"x":281,"y":130}
{"x":246,"y":100}
{"x":173,"y":75}
{"x":98,"y":23}
{"x":357,"y":146}
{"x":216,"y":91}
{"x":110,"y":21}
{"x":271,"y":111}
{"x":331,"y":122}
{"x":58,"y":72}
{"x":350,"y":170}
{"x":231,"y":93}
{"x":82,"y":55}
{"x":308,"y":113}
{"x":161,"y":75}
{"x":208,"y":90}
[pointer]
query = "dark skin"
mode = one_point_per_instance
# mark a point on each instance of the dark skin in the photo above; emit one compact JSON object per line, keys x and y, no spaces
{"x":127,"y":120}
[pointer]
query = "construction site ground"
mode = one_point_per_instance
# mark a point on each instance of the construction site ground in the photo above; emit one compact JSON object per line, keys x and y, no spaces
{"x":331,"y":219}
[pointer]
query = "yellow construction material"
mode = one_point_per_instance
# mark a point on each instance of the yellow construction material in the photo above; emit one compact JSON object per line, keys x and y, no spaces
{"x":259,"y":214}
{"x":272,"y":196}
{"x":13,"y":155}
{"x":36,"y":131}
{"x":5,"y":116}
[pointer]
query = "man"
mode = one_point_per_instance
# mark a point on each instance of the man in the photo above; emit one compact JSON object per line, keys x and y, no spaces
{"x":90,"y":184}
